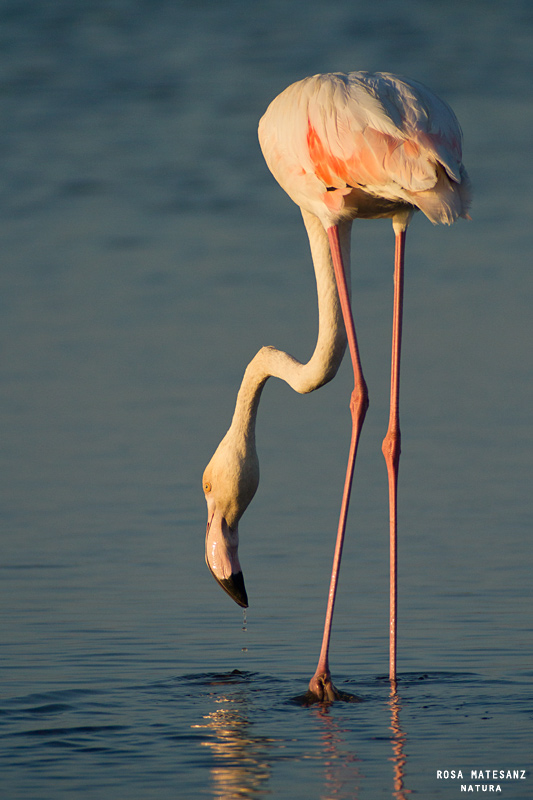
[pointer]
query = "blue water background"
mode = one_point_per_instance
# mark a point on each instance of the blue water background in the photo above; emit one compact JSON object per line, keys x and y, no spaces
{"x":147,"y":254}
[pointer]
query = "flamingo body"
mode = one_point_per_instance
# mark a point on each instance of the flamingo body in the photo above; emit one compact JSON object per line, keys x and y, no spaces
{"x":365,"y":145}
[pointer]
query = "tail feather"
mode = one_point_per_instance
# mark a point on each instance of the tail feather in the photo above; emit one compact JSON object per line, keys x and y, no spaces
{"x":447,"y":200}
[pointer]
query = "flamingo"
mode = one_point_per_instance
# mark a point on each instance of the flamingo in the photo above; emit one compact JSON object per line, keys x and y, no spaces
{"x":342,"y":146}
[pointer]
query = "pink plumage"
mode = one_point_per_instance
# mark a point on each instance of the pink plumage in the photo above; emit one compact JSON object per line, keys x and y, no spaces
{"x":366,"y":145}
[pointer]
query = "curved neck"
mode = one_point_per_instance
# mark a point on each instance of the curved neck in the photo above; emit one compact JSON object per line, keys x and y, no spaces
{"x":330,"y":345}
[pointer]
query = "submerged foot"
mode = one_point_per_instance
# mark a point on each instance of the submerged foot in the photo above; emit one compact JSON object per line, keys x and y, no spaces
{"x":322,"y":690}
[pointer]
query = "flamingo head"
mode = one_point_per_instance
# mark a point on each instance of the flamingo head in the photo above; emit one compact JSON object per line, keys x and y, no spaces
{"x":230,"y":481}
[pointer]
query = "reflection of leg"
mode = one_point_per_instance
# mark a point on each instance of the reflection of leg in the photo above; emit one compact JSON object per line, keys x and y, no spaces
{"x":391,"y":443}
{"x":321,"y":684}
{"x":399,"y":758}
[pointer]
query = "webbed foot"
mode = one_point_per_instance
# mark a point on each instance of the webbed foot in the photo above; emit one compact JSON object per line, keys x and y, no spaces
{"x":322,"y":690}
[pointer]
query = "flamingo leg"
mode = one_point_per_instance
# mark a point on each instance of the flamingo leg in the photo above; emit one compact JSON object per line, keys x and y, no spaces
{"x":321,"y":686}
{"x":392,"y":440}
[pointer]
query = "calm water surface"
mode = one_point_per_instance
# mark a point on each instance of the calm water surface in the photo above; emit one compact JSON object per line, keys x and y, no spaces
{"x":147,"y":255}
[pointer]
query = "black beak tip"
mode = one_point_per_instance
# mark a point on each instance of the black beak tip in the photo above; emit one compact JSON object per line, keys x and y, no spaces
{"x":234,"y":586}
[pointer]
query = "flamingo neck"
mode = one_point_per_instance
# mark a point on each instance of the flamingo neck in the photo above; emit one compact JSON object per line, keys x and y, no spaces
{"x":330,"y":345}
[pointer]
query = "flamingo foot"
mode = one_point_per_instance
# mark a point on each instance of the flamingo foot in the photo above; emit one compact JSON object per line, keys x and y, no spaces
{"x":321,"y":690}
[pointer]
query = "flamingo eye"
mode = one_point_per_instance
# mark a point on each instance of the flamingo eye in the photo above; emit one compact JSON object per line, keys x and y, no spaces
{"x":207,"y":487}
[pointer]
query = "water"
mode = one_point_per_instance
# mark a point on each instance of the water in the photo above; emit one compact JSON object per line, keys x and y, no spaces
{"x":147,"y":255}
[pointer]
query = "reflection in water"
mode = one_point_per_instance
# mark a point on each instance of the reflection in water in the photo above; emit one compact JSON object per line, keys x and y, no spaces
{"x":341,"y":774}
{"x":240,"y":769}
{"x":242,"y":762}
{"x":398,"y":740}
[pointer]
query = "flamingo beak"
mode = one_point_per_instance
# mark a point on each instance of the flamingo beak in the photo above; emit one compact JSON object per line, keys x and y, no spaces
{"x":221,"y":556}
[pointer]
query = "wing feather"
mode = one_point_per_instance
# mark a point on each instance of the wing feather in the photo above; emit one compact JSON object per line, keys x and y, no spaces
{"x":374,"y":132}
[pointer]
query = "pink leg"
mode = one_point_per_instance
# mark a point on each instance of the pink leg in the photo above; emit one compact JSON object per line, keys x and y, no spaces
{"x":391,"y":442}
{"x":321,"y":686}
